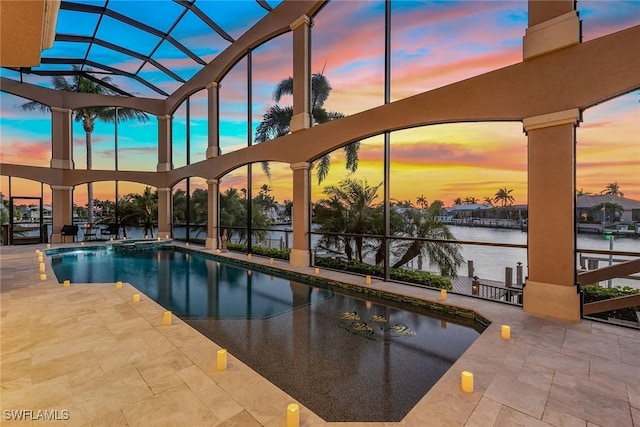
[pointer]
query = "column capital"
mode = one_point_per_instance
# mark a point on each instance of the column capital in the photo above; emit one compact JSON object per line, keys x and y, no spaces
{"x":61,"y":164}
{"x":164,"y":190}
{"x":300,"y":166}
{"x":571,"y":116}
{"x":212,"y":85}
{"x":304,"y":19}
{"x":164,"y":167}
{"x":551,"y":35}
{"x":60,"y":110}
{"x":213,"y":181}
{"x":165,"y":117}
{"x":61,"y":187}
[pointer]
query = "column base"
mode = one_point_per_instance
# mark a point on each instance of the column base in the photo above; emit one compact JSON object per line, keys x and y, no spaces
{"x":211,"y":243}
{"x":300,"y":258}
{"x":56,"y":238}
{"x":164,"y":234}
{"x":547,"y":299}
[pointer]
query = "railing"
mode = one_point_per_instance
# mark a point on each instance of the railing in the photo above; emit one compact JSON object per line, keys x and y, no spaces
{"x":496,"y":293}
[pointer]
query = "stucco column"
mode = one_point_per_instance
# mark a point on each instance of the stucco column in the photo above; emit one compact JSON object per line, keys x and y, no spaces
{"x":301,"y":119}
{"x":164,"y":144}
{"x":551,"y":286}
{"x":553,"y":25}
{"x":213,"y":113}
{"x":164,"y":212}
{"x":61,"y":138}
{"x":61,"y":199}
{"x":212,"y":215}
{"x":300,"y":255}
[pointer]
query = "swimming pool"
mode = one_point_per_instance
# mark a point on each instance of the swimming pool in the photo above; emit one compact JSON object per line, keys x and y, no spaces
{"x":346,"y":358}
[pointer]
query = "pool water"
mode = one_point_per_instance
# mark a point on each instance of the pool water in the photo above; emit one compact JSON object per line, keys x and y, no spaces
{"x":343,"y":357}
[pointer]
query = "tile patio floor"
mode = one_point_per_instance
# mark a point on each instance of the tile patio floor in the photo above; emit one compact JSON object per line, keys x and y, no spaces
{"x":91,"y":351}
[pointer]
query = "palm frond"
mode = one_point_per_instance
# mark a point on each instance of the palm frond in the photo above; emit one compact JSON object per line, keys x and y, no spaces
{"x":35,"y":106}
{"x":275,"y":123}
{"x":320,"y":90}
{"x":285,"y":87}
{"x":351,"y":152}
{"x":323,"y":168}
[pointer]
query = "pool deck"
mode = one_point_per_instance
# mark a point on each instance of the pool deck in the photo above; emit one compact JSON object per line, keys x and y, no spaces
{"x":105,"y":360}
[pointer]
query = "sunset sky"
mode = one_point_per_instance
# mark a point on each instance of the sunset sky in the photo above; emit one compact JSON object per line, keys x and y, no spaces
{"x":433,"y":44}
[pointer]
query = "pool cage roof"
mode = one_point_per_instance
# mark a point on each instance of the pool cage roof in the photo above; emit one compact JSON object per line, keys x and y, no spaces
{"x":146,"y":47}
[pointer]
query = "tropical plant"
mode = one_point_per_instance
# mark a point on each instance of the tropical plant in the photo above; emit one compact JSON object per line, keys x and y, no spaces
{"x":421,"y":224}
{"x":276,"y":121}
{"x":470,"y":200}
{"x":348,"y":209}
{"x":504,"y":197}
{"x":488,"y":200}
{"x":457,"y":201}
{"x":139,"y":210}
{"x":89,"y":115}
{"x":233,"y":214}
{"x":612,"y":189}
{"x":609,"y":210}
{"x":421,"y":201}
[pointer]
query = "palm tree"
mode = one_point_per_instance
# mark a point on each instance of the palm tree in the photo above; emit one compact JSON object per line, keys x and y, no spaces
{"x":504,"y":196}
{"x":422,"y":202}
{"x":348,"y":209}
{"x":612,"y":189}
{"x":488,"y":200}
{"x":457,"y":201}
{"x":276,"y":121}
{"x":139,"y":210}
{"x":89,"y":115}
{"x":470,"y":200}
{"x":419,"y":223}
{"x":609,"y":210}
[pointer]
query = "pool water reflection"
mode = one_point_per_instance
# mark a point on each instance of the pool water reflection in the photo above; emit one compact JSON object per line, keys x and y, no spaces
{"x":345,"y":358}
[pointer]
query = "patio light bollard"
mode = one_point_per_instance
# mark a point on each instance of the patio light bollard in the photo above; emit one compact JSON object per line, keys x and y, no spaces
{"x":467,"y":382}
{"x":221,"y":360}
{"x":293,"y":415}
{"x":166,"y":318}
{"x":505,"y":332}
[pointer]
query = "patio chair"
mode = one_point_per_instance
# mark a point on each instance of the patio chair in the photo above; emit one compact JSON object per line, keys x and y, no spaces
{"x":112,"y":231}
{"x":69,"y":230}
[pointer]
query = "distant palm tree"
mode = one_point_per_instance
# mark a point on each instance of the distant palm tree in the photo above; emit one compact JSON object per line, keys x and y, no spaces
{"x":276,"y":121}
{"x":488,"y":200}
{"x":89,"y":115}
{"x":422,"y":202}
{"x":457,"y":201}
{"x":504,"y":196}
{"x":470,"y":200}
{"x":612,"y":189}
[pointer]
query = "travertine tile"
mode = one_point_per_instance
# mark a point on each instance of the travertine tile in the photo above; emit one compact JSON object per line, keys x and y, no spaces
{"x":210,"y":393}
{"x":590,"y":401}
{"x":485,"y":414}
{"x":558,"y":362}
{"x":176,"y":406}
{"x":559,"y":418}
{"x":518,"y":395}
{"x":605,"y":346}
{"x":511,"y":418}
{"x":633,"y":389}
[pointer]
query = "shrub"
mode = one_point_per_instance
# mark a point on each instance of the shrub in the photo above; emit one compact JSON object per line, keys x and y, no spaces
{"x":594,"y":293}
{"x":411,"y":276}
{"x":260,"y":250}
